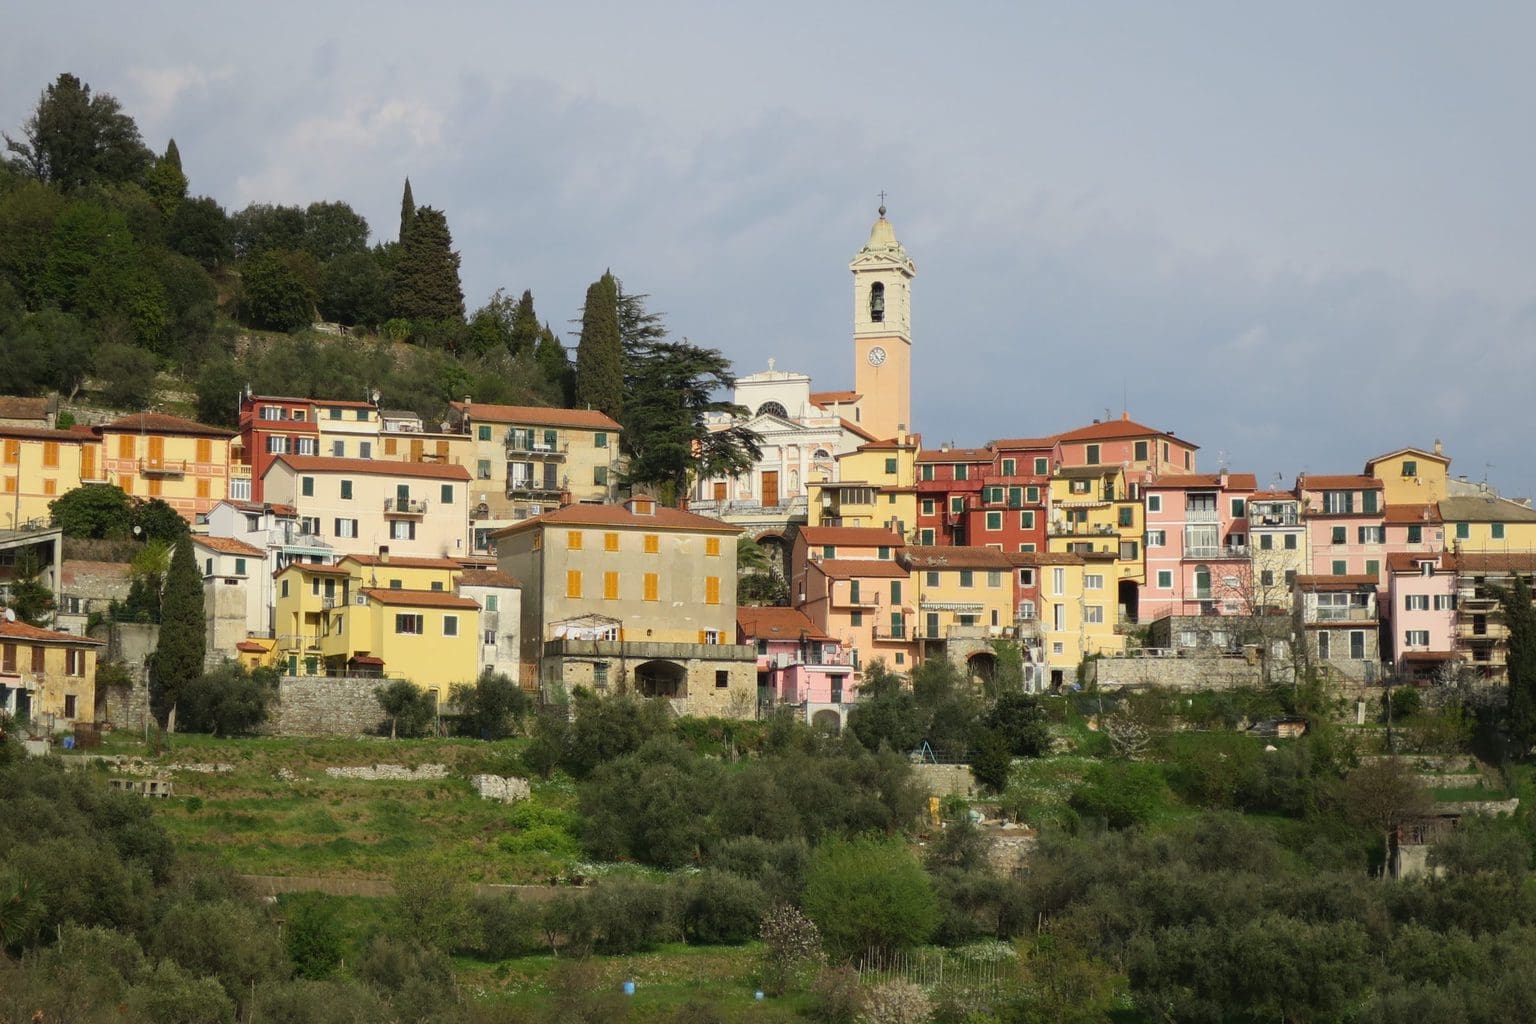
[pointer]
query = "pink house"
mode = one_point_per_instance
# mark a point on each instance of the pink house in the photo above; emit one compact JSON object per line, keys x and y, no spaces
{"x":1346,"y":525}
{"x":1197,"y":553}
{"x":1422,"y":612}
{"x":796,"y":662}
{"x":1143,"y":451}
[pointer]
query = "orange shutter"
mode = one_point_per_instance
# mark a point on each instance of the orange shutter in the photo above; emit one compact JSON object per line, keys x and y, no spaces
{"x":51,"y":453}
{"x":651,"y":586}
{"x":610,"y":586}
{"x":204,"y":450}
{"x":125,"y":446}
{"x":12,"y":452}
{"x":573,"y":583}
{"x":712,"y":590}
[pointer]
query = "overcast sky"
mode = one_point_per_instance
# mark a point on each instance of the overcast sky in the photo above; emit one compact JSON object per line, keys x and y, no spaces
{"x":1298,"y":235}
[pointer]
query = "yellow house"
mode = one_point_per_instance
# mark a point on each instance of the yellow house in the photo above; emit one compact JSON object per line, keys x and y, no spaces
{"x":876,"y":486}
{"x":1488,"y":524}
{"x":376,"y":615}
{"x":46,"y":674}
{"x":1411,"y":476}
{"x":37,"y":465}
{"x":1073,"y":608}
{"x":962,"y":593}
{"x":633,"y":596}
{"x":1096,"y":515}
{"x":154,"y":455}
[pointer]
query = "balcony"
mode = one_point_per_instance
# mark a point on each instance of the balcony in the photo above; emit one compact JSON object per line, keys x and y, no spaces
{"x":1472,"y":601}
{"x":547,"y":489}
{"x":1201,"y":515}
{"x":1217,"y":551}
{"x":329,"y":602}
{"x":523,"y":447}
{"x":163,"y":467}
{"x":852,"y":600}
{"x":1343,"y":615}
{"x":890,"y":632}
{"x":405,"y":506}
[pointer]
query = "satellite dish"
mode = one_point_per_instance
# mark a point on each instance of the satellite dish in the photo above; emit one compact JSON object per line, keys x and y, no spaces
{"x":10,"y":615}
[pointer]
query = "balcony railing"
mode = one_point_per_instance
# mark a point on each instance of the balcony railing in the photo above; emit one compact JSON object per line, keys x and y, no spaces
{"x":1343,"y":615}
{"x":1217,"y":551}
{"x":519,"y":447}
{"x":889,"y":632}
{"x":163,"y":467}
{"x":851,"y":600}
{"x":533,"y":489}
{"x":405,"y":506}
{"x":1201,"y":515}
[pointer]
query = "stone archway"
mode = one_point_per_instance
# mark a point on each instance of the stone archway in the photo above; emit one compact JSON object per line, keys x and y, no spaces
{"x":827,"y":720}
{"x":661,"y":679}
{"x":981,"y":666}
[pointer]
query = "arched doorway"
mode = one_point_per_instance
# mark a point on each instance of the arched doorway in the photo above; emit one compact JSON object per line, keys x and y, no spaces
{"x":1130,"y":597}
{"x":981,"y":666}
{"x":827,"y":721}
{"x":661,"y":679}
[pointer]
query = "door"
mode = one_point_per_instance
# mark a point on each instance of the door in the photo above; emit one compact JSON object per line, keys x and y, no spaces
{"x":416,"y":449}
{"x":719,"y":489}
{"x":157,"y":451}
{"x":402,"y":497}
{"x":87,"y":462}
{"x":770,"y":488}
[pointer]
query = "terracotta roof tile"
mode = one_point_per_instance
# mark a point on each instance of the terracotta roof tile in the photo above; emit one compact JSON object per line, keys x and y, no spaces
{"x":403,"y":561}
{"x":22,"y":631}
{"x":1272,"y":496}
{"x":371,"y":467}
{"x":163,"y":423}
{"x":777,"y":624}
{"x":420,"y":598}
{"x":1019,"y":443}
{"x":16,"y":407}
{"x":487,"y":578}
{"x":663,"y":518}
{"x":1485,"y":509}
{"x":251,"y":647}
{"x":1124,"y":427}
{"x":956,"y":455}
{"x":1512,"y":561}
{"x":45,"y":434}
{"x":538,"y":415}
{"x":1024,"y":558}
{"x":1411,"y":515}
{"x":1235,"y":481}
{"x":228,"y":546}
{"x":314,"y":567}
{"x":1408,"y":561}
{"x":1419,"y":452}
{"x":856,"y":430}
{"x":1338,"y":482}
{"x":935,"y":559}
{"x":851,"y":568}
{"x":834,"y":397}
{"x":852,"y":536}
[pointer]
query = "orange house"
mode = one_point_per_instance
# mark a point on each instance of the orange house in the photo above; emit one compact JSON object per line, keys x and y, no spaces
{"x":181,"y":462}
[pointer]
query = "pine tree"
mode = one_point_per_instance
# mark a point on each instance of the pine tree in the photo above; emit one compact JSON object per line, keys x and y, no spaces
{"x":178,"y":658}
{"x":407,"y":211}
{"x":427,"y":271}
{"x":600,"y":352}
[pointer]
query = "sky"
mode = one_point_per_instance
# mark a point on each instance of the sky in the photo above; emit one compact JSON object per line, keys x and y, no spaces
{"x":1299,"y":235}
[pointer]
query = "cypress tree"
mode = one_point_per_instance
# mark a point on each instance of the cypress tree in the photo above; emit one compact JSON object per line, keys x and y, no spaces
{"x":556,"y":365}
{"x":427,"y":271}
{"x":172,"y":156}
{"x":600,"y":352}
{"x":525,"y":327}
{"x":407,"y":210}
{"x":178,"y":657}
{"x":1520,"y":659}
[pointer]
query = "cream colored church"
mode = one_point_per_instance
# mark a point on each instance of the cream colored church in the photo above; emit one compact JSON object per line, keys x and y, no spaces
{"x":804,"y":431}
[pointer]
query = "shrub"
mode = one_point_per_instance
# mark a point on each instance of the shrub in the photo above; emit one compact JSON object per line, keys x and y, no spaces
{"x":409,"y":709}
{"x":1122,"y":794}
{"x":225,"y":702}
{"x":868,"y":894}
{"x":433,"y":903}
{"x":791,"y":945}
{"x":508,"y":926}
{"x":721,"y":909}
{"x":632,"y":916}
{"x":896,"y":1002}
{"x":836,"y":996}
{"x":314,"y":935}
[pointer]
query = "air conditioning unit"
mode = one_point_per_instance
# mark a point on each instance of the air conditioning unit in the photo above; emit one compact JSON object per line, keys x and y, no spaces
{"x":535,"y":509}
{"x":360,"y":599}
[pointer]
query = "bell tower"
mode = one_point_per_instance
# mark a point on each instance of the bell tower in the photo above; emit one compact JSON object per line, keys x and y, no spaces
{"x":882,"y":331}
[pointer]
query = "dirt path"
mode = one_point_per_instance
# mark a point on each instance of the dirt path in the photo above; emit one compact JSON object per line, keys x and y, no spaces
{"x":273,"y":885}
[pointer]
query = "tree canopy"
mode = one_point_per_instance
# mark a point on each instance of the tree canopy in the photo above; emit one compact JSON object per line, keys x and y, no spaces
{"x":74,"y":139}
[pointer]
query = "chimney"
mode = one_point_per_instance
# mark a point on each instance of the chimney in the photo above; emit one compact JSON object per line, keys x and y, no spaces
{"x":1439,"y":448}
{"x":383,"y":554}
{"x":1223,"y":479}
{"x":1125,"y":416}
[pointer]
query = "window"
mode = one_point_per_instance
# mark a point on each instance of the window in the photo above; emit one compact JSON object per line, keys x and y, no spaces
{"x":956,"y":504}
{"x":712,"y":547}
{"x":855,"y":618}
{"x":284,"y":589}
{"x":1093,"y":614}
{"x":492,"y":602}
{"x":610,"y":586}
{"x":1032,"y":495}
{"x":1463,"y":531}
{"x":1093,"y":581}
{"x":365,"y":449}
{"x":1010,"y":467}
{"x":573,"y":540}
{"x":1156,"y":538}
{"x":890,"y":466}
{"x":1239,"y":508}
{"x":967,"y":577}
{"x":1371,"y":534}
{"x":1042,"y":467}
{"x":927,"y":508}
{"x":1445,"y":602}
{"x":1092,"y":454}
{"x":1498,"y":531}
{"x":445,"y":494}
{"x":391,"y":446}
{"x":1336,"y":502}
{"x":895,"y":592}
{"x":962,"y":472}
{"x":1324,"y":644}
{"x":1266,"y":542}
{"x":1368,"y":501}
{"x":402,"y":530}
{"x":573,"y":583}
{"x":1059,"y":581}
{"x":450,"y":625}
{"x":483,"y":469}
{"x":1027,"y":520}
{"x":396,"y":585}
{"x":307,"y":486}
{"x":39,"y":655}
{"x":652,"y":543}
{"x":600,"y":476}
{"x":1372,"y":567}
{"x":277,"y":446}
{"x":484,"y":432}
{"x":925,"y":471}
{"x":994,"y":579}
{"x":994,"y":520}
{"x":722,"y":679}
{"x":306,"y":446}
{"x":1026,"y":577}
{"x":346,"y":490}
{"x":239,"y":567}
{"x":1127,"y":516}
{"x":338,"y":449}
{"x":925,"y":537}
{"x":74,"y":663}
{"x":346,"y":528}
{"x":711,"y":589}
{"x":1339,"y":568}
{"x":1357,"y":644}
{"x":652,"y":586}
{"x":1416,"y":602}
{"x":1290,"y":542}
{"x":600,"y":440}
{"x":1141,"y":451}
{"x":610,"y":542}
{"x":409,"y":624}
{"x":1416,"y":638}
{"x":1340,"y":535}
{"x":1154,"y":503}
{"x":1267,"y":578}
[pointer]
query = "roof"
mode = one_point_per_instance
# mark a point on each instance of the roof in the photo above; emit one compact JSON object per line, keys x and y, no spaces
{"x":956,"y":455}
{"x":1428,"y":656}
{"x":854,"y":428}
{"x":891,"y":444}
{"x":15,"y":407}
{"x":1478,"y":562}
{"x":1337,"y":482}
{"x":420,"y":598}
{"x":163,"y":423}
{"x":1485,"y":509}
{"x":853,"y":536}
{"x":834,"y":397}
{"x":44,"y":434}
{"x":663,"y":518}
{"x":544,"y":416}
{"x":936,"y":558}
{"x":324,"y":570}
{"x":1272,"y":496}
{"x":1014,"y":443}
{"x":777,"y":624}
{"x":228,"y":546}
{"x":1349,"y":582}
{"x":848,"y":568}
{"x":1044,"y":558}
{"x":1416,"y":452}
{"x":37,"y":634}
{"x":365,"y":659}
{"x":1124,"y":427}
{"x":371,"y":467}
{"x":1235,"y":481}
{"x":1086,"y":472}
{"x":403,"y":562}
{"x":74,"y":565}
{"x":250,"y":647}
{"x":1411,"y":515}
{"x":1408,"y":561}
{"x":486,"y":578}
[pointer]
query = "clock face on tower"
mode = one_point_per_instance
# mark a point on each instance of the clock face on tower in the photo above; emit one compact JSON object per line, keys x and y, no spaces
{"x":876,"y":356}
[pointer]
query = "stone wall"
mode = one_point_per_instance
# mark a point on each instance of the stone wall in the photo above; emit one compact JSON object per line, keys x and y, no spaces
{"x":1198,"y":673}
{"x":325,"y":706}
{"x":130,"y":644}
{"x":943,"y":780}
